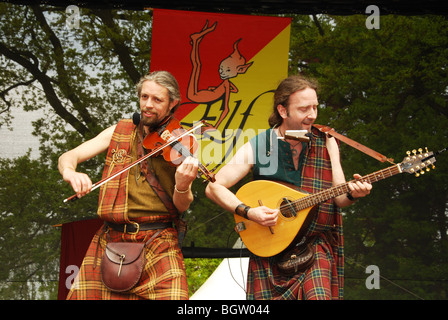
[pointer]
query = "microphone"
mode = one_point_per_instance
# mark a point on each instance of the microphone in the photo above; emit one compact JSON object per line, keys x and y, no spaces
{"x":136,"y":118}
{"x":299,"y":135}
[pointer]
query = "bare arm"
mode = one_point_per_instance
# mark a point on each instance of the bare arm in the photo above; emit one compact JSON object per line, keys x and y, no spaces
{"x":357,"y":190}
{"x":185,"y":174}
{"x":229,"y":175}
{"x":69,"y":160}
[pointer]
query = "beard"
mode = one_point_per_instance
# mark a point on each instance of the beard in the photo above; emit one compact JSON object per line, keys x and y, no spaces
{"x":152,"y":123}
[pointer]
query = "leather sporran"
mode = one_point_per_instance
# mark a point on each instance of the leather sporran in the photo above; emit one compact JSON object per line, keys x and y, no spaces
{"x":122,"y":265}
{"x":297,"y":259}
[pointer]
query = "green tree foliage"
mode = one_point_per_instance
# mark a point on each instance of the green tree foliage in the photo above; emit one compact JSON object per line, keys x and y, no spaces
{"x":198,"y":271}
{"x":30,"y":252}
{"x":385,"y":88}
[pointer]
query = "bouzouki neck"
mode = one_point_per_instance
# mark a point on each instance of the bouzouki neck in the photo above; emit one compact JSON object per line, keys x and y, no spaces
{"x":415,"y":164}
{"x":343,"y":188}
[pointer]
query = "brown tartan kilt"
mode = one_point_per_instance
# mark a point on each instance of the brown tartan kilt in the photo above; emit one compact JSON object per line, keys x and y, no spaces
{"x":163,"y":277}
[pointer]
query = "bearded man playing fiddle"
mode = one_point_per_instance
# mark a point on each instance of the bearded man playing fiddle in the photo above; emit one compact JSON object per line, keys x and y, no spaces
{"x":131,"y":205}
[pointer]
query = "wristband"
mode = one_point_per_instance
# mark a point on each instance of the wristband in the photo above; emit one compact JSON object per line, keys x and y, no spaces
{"x":350,"y":197}
{"x":242,"y":210}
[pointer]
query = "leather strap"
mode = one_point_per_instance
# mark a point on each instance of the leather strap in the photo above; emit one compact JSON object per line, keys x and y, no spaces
{"x":135,"y":227}
{"x":179,"y":222}
{"x":152,"y":180}
{"x":153,"y":237}
{"x":330,"y":131}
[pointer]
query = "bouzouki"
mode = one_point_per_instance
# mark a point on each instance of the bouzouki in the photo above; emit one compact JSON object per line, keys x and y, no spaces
{"x":296,"y":207}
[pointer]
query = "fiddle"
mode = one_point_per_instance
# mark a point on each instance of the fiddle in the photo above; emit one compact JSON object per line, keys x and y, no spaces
{"x":158,"y":148}
{"x":182,"y":146}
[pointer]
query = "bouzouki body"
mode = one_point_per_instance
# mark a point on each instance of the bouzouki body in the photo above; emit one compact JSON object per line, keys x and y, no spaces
{"x":265,"y":241}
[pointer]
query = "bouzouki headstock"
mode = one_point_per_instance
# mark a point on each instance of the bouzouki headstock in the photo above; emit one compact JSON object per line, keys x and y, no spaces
{"x":418,"y":161}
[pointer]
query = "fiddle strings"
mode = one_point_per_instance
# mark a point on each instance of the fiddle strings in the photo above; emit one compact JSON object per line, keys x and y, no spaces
{"x":184,"y":152}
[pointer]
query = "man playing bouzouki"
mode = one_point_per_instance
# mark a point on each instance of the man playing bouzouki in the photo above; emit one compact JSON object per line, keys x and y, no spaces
{"x":311,"y":167}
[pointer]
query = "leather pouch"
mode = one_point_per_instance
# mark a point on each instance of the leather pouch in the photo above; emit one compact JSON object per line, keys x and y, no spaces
{"x":122,"y":265}
{"x":297,"y":259}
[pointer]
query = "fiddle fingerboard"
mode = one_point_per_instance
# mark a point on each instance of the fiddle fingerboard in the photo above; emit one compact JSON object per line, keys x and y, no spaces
{"x":184,"y":152}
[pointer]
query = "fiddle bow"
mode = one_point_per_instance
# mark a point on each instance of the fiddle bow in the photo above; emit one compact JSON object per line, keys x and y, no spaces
{"x":98,"y":184}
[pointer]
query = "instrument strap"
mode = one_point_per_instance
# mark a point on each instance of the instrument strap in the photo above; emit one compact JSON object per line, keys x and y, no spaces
{"x":151,"y":177}
{"x":374,"y":154}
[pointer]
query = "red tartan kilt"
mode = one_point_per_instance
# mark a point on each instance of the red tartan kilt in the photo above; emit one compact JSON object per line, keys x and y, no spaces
{"x":163,"y":277}
{"x":318,"y":282}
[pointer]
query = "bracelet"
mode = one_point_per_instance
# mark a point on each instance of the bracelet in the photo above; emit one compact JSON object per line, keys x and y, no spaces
{"x":350,"y":197}
{"x":242,"y":210}
{"x":179,"y":191}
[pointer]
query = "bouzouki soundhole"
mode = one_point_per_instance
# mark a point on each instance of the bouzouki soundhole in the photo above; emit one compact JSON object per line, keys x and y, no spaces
{"x":287,"y":208}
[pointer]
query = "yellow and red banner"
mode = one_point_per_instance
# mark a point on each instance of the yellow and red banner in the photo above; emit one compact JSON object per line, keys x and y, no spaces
{"x":227,"y":67}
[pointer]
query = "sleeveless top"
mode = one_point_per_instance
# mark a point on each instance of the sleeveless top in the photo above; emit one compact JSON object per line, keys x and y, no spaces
{"x":273,"y":161}
{"x":313,"y":175}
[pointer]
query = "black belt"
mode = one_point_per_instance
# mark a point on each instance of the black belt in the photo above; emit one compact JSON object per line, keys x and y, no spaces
{"x":134,"y":227}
